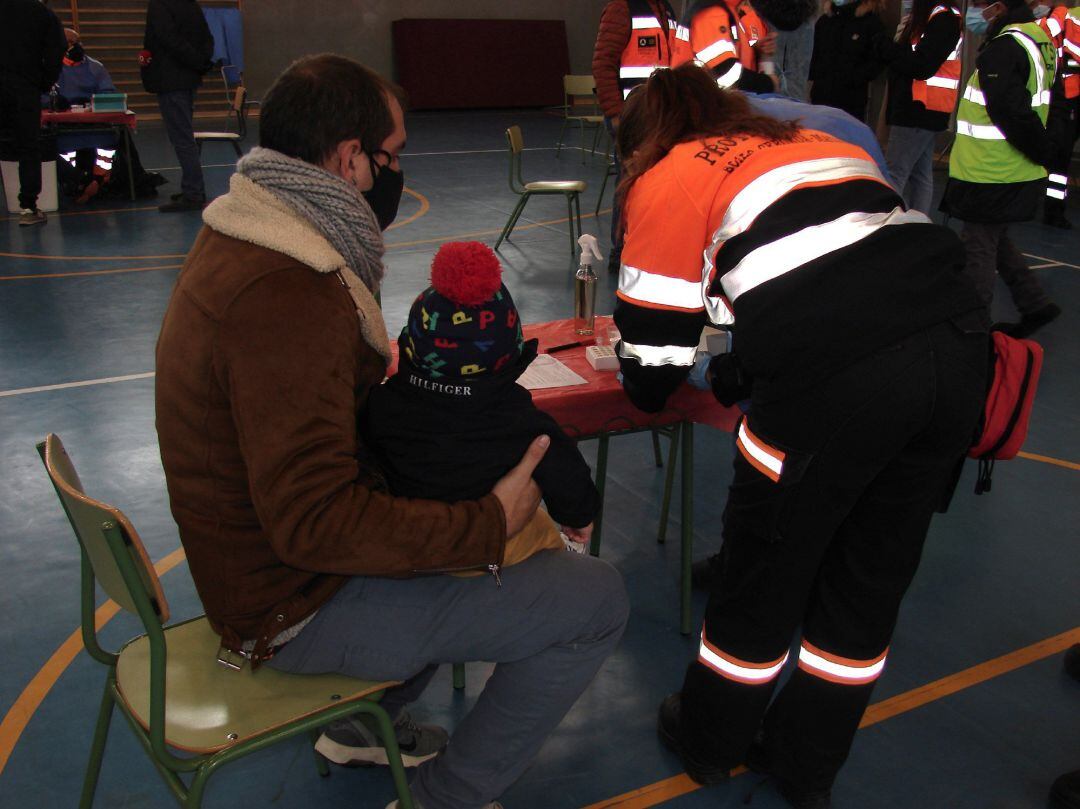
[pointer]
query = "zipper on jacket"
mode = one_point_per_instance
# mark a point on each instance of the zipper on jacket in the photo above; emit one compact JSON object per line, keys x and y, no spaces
{"x":493,"y":569}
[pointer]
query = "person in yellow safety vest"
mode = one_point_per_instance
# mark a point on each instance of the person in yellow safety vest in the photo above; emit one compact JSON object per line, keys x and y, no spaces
{"x":732,"y":42}
{"x":997,"y":165}
{"x":635,"y":38}
{"x":1062,"y":25}
{"x":924,"y":81}
{"x":866,"y":350}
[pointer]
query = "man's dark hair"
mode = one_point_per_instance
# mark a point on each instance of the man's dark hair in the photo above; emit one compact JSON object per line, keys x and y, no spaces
{"x":320,"y":101}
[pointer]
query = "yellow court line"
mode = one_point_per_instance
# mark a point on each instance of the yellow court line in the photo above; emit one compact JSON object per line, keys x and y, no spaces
{"x":1047,"y":459}
{"x":81,"y":273}
{"x":669,"y":788}
{"x":17,"y":717}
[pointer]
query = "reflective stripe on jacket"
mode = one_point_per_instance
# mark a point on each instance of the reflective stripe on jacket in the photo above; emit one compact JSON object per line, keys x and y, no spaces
{"x":939,"y":92}
{"x":981,"y":153}
{"x":654,"y":44}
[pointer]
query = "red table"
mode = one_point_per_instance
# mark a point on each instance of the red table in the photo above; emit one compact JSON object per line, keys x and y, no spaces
{"x":600,"y":409}
{"x":122,"y":123}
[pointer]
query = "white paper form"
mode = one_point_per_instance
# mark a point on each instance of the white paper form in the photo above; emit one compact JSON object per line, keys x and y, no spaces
{"x":547,"y":372}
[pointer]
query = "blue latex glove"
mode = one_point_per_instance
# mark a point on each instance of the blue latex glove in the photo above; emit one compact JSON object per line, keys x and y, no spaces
{"x":698,"y":372}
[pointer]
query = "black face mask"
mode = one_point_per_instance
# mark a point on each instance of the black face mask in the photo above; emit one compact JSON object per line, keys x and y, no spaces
{"x":384,"y":196}
{"x":75,"y":52}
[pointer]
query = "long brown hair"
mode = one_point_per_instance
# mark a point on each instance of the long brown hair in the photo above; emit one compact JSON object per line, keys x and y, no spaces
{"x":680,"y":105}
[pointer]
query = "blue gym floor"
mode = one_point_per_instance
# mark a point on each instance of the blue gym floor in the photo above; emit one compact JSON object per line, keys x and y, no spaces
{"x":973,"y":711}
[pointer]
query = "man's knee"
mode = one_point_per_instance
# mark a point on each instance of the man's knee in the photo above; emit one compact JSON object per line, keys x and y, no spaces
{"x":605,"y":599}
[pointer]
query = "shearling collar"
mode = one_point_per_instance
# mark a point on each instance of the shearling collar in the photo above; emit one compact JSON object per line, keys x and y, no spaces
{"x":254,"y":215}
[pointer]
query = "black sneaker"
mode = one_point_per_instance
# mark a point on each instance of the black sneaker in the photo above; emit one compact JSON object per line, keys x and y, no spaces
{"x":1030,"y":322}
{"x":667,"y":728}
{"x":1072,"y":661}
{"x":1065,"y":792}
{"x":759,"y":761}
{"x":1056,"y":219}
{"x":353,"y":742}
{"x":183,"y":204}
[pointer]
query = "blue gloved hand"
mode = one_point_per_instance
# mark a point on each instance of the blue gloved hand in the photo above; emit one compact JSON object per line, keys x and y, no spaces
{"x":698,"y":372}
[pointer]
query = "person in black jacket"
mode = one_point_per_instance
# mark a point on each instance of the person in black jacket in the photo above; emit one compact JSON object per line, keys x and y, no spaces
{"x":453,"y":419}
{"x":177,"y":50}
{"x":845,"y":59}
{"x":988,"y":208}
{"x":928,"y":46}
{"x":32,"y":46}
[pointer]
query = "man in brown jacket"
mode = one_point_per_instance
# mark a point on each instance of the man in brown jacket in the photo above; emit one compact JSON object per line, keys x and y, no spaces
{"x":270,"y":343}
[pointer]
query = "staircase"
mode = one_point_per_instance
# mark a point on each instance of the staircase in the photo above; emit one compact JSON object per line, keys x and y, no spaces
{"x":112,"y":32}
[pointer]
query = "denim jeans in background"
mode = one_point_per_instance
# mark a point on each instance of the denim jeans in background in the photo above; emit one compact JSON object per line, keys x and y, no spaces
{"x":548,"y":628}
{"x":177,"y":112}
{"x":910,"y":157}
{"x":793,"y":51}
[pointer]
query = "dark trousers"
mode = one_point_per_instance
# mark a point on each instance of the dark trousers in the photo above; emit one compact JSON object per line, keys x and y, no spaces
{"x":616,"y":212}
{"x":989,"y":251}
{"x":869,"y":454}
{"x":177,"y":111}
{"x":1066,"y":125}
{"x":20,"y":114}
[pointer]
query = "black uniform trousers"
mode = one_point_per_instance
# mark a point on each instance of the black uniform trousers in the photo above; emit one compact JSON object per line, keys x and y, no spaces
{"x":868,"y":456}
{"x":1067,"y":127}
{"x":20,"y":115}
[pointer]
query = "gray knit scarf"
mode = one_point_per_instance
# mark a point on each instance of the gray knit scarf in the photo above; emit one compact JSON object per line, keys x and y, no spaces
{"x":336,"y":209}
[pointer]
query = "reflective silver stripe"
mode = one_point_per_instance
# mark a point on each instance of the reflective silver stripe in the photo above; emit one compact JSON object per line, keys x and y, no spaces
{"x":780,"y":257}
{"x":974,"y":96}
{"x":938,"y":81}
{"x":1053,"y":27}
{"x":637,"y":72}
{"x":706,"y":55}
{"x":728,"y":668}
{"x":649,"y":287}
{"x":1072,"y":48}
{"x":730,"y":76}
{"x":979,"y":132}
{"x":855,"y":675}
{"x":653,"y":356}
{"x":1055,"y":193}
{"x":644,"y":22}
{"x":682,"y":32}
{"x":1059,"y":178}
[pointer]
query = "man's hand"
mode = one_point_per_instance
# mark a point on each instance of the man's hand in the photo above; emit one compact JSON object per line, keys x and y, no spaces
{"x":766,"y":46}
{"x":579,"y":535}
{"x":517,"y":492}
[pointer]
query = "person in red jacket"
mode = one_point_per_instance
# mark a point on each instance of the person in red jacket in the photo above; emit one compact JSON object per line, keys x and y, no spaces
{"x":620,"y":62}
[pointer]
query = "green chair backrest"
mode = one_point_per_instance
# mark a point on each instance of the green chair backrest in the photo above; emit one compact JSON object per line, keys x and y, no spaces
{"x":577,"y":89}
{"x":92,"y":520}
{"x":517,"y":144}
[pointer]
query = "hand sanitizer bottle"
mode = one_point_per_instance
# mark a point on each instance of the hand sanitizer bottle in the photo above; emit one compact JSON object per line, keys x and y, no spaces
{"x":585,"y":286}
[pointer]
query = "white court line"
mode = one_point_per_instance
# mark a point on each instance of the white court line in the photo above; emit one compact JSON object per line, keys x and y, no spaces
{"x":1044,"y":266}
{"x":1053,"y":262}
{"x":407,"y":154}
{"x":83,"y":384}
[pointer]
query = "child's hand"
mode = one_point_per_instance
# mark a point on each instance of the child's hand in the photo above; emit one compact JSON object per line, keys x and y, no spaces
{"x":579,"y":535}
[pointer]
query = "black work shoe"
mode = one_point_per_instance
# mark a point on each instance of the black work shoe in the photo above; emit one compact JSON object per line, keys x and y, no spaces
{"x":1056,"y":219}
{"x":1030,"y":322}
{"x":1065,"y":792}
{"x":183,"y":204}
{"x":1072,"y":661}
{"x":704,"y":571}
{"x":759,"y":761}
{"x":667,"y":728}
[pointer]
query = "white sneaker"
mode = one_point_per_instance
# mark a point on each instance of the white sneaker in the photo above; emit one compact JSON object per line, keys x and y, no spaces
{"x":33,"y":216}
{"x":353,"y":742}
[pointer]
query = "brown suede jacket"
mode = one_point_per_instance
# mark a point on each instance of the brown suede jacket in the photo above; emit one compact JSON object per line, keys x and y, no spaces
{"x":266,"y":354}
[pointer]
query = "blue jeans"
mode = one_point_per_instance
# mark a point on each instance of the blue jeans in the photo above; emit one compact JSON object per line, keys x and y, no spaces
{"x":177,"y":111}
{"x":909,"y":155}
{"x":548,"y":628}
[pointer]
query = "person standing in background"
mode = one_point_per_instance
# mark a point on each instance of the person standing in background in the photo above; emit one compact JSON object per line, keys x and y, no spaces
{"x":793,"y":52}
{"x":731,"y":41}
{"x":621,"y":62}
{"x":176,"y":54}
{"x":924,"y":81}
{"x":1062,"y":25}
{"x":845,"y":59}
{"x":32,"y":46}
{"x":997,"y":166}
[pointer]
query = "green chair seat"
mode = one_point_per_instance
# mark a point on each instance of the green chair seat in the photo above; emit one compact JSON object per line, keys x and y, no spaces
{"x":556,"y":186}
{"x":209,"y":706}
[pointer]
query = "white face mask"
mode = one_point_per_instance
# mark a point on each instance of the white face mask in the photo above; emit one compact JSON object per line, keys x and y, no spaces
{"x":1040,"y":11}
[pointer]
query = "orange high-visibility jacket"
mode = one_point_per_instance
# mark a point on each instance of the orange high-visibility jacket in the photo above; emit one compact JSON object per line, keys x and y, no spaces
{"x":1064,"y":29}
{"x":654,"y":44}
{"x":940,"y":91}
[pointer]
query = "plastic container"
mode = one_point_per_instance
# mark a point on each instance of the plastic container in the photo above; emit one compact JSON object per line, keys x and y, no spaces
{"x":585,"y":286}
{"x":48,"y":199}
{"x":108,"y":102}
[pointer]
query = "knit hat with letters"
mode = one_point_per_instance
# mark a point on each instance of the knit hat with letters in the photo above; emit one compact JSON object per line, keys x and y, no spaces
{"x":465,"y":324}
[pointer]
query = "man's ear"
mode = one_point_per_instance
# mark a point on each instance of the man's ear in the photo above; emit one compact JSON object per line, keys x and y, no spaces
{"x":339,"y":160}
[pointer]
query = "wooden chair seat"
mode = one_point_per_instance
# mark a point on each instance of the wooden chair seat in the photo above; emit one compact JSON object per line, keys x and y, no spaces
{"x":556,"y":186}
{"x":209,"y":706}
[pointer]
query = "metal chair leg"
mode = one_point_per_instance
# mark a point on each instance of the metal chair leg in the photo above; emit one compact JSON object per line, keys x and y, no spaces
{"x":97,"y":750}
{"x":570,"y":222}
{"x":237,"y":149}
{"x":459,"y":676}
{"x":669,"y":479}
{"x":559,"y":145}
{"x":687,"y":431}
{"x":657,"y":457}
{"x":601,"y":479}
{"x":320,"y":761}
{"x":512,"y":220}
